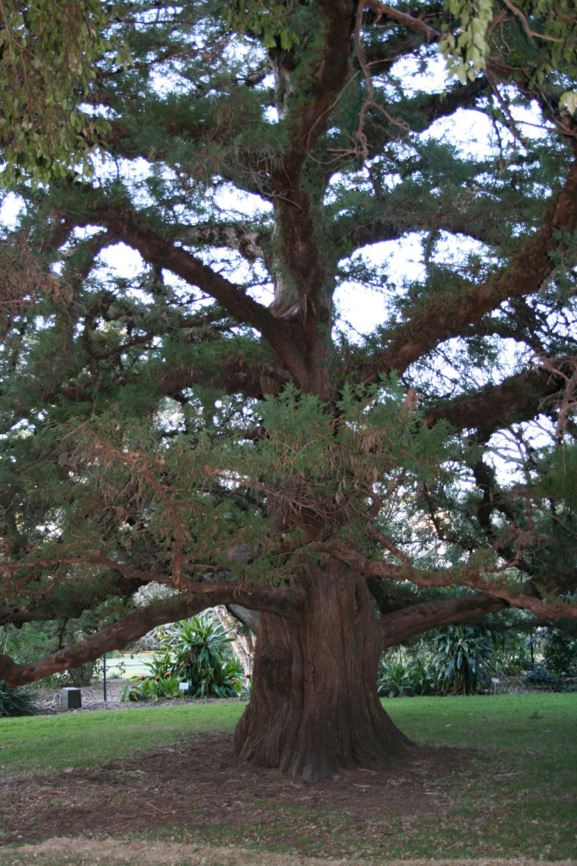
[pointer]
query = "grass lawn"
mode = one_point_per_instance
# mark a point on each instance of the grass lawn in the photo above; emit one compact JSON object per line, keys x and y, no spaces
{"x":84,"y":739}
{"x":526,"y":802}
{"x":516,"y":797}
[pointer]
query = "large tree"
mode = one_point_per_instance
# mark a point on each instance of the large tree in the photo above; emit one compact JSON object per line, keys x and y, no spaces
{"x":203,"y":415}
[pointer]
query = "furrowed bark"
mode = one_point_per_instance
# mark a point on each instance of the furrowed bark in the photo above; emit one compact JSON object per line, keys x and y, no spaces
{"x":314,"y":705}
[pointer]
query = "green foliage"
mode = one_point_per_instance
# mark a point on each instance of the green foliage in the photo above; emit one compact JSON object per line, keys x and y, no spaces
{"x":537,"y":35}
{"x":271,"y":21}
{"x":196,"y":651}
{"x":48,"y":50}
{"x":560,"y":652}
{"x":405,"y":674}
{"x":15,"y":702}
{"x":558,"y":477}
{"x":463,"y":660}
{"x":152,"y":688}
{"x":456,"y":660}
{"x":469,"y":51}
{"x":201,"y":655}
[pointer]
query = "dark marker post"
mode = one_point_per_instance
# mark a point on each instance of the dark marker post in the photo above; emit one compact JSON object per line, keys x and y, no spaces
{"x":104,"y":691}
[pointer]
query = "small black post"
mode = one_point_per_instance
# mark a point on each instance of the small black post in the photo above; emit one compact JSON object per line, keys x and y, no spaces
{"x":104,"y":691}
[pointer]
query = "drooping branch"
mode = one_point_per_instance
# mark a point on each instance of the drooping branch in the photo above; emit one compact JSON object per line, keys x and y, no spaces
{"x":400,"y":625}
{"x":89,"y":595}
{"x":127,"y":571}
{"x":285,"y":602}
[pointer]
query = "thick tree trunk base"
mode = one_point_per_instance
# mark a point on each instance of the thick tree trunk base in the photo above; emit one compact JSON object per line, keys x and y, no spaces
{"x":314,"y":706}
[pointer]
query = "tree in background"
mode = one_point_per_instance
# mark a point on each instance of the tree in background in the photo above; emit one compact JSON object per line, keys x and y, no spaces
{"x":206,"y":418}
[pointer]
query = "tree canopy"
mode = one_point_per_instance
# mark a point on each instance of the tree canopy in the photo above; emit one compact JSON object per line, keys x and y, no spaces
{"x":205,"y":416}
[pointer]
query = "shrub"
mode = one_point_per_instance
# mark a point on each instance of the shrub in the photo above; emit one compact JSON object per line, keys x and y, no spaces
{"x":196,"y":651}
{"x":541,"y":677}
{"x":463,"y":660}
{"x":560,"y":653}
{"x":402,"y":675}
{"x":151,"y":688}
{"x":200,"y":649}
{"x":15,"y":702}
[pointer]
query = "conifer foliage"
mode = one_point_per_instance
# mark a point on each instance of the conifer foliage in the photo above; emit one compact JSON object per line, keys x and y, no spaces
{"x":204,"y":416}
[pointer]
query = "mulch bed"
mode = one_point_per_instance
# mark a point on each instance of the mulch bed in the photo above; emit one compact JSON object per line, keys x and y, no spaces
{"x":196,"y":788}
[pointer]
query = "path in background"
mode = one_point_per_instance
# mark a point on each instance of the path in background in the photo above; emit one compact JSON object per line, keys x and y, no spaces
{"x":127,"y":665}
{"x":48,"y":700}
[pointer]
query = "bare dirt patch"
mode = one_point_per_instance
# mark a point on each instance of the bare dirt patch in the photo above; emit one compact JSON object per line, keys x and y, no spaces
{"x":78,"y":851}
{"x":194,"y":792}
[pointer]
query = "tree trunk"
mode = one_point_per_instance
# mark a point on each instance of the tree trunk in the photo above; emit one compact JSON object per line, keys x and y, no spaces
{"x":314,"y":706}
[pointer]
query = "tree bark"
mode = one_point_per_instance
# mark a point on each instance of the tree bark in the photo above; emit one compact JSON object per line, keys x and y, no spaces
{"x":314,"y":706}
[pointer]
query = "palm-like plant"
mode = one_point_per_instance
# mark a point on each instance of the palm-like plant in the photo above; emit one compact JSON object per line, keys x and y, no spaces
{"x":201,"y":655}
{"x":463,"y":659}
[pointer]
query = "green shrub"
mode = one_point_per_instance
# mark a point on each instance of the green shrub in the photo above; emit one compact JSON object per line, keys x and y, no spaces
{"x":196,"y":651}
{"x":15,"y":702}
{"x":200,"y":649}
{"x":151,"y":688}
{"x":456,"y":660}
{"x":463,"y":660}
{"x":403,"y":675}
{"x":560,"y":653}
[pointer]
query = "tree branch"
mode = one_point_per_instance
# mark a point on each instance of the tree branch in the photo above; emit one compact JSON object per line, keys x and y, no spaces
{"x":127,"y":226}
{"x":352,"y":232}
{"x":443,"y":318}
{"x":469,"y":575}
{"x":416,"y":25}
{"x":400,"y":625}
{"x":285,"y":602}
{"x":518,"y":398}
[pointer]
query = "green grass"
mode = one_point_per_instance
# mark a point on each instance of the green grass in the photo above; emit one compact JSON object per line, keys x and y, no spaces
{"x":92,"y":738}
{"x":517,"y":797}
{"x":524,"y":801}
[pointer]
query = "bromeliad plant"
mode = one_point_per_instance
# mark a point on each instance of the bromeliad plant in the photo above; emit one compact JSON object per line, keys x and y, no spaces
{"x":195,"y":651}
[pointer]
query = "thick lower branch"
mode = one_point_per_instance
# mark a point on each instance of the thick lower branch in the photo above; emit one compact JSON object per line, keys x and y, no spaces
{"x":517,"y":398}
{"x":401,"y":625}
{"x":285,"y":602}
